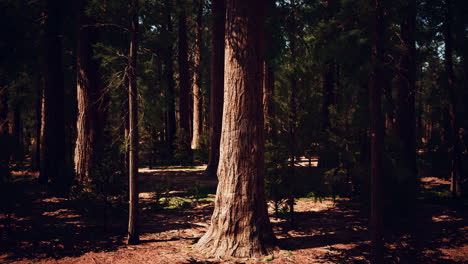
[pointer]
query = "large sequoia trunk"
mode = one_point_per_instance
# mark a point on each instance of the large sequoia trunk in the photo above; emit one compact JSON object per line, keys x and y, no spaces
{"x":240,"y":226}
{"x":54,"y":155}
{"x":376,"y":136}
{"x":197,"y":81}
{"x":89,"y":124}
{"x":133,"y":235}
{"x":216,"y":85}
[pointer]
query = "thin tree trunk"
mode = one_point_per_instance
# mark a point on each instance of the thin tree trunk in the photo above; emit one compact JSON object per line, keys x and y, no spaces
{"x":42,"y":162}
{"x":4,"y":135}
{"x":89,"y":124}
{"x":55,"y":161}
{"x":133,"y":234}
{"x":240,"y":227}
{"x":184,"y":82}
{"x":376,"y":136}
{"x":36,"y":164}
{"x":169,"y":72}
{"x":328,"y":93}
{"x":292,"y":120}
{"x":268,"y":99}
{"x":406,"y":122}
{"x":406,"y":119}
{"x":455,"y":179}
{"x":217,"y":84}
{"x":197,"y":81}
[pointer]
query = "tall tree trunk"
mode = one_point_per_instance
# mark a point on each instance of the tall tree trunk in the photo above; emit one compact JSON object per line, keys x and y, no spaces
{"x":376,"y":136}
{"x":36,"y":164}
{"x":4,"y":134}
{"x":240,"y":227}
{"x":268,"y":98}
{"x":56,"y":168}
{"x":89,"y":124}
{"x":133,"y":234}
{"x":184,"y":82}
{"x":292,"y":118}
{"x":455,"y":179}
{"x":197,"y":81}
{"x":217,"y":84}
{"x":17,"y":134}
{"x":169,"y":72}
{"x":406,"y":119}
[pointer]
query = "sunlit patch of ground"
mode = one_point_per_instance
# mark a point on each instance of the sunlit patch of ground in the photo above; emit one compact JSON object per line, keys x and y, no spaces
{"x":330,"y":231}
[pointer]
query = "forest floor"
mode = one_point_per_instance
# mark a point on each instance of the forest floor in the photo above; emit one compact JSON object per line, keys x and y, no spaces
{"x":47,"y":229}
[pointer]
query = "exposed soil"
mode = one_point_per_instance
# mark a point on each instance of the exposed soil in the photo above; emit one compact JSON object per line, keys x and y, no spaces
{"x":46,"y":229}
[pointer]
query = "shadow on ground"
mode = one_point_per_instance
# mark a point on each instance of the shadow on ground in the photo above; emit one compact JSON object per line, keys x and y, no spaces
{"x":43,"y":226}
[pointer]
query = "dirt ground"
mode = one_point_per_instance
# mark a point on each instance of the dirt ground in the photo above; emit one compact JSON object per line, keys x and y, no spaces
{"x":46,"y":229}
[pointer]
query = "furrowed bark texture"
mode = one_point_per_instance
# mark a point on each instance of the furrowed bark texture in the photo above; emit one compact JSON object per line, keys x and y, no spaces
{"x":240,"y":225}
{"x":376,"y":137}
{"x":133,"y":235}
{"x":89,"y":122}
{"x":197,"y":81}
{"x":216,"y":85}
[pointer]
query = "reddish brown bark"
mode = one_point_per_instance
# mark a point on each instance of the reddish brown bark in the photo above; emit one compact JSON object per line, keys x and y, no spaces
{"x":133,"y":234}
{"x":240,"y":226}
{"x":216,"y":85}
{"x":197,"y":81}
{"x":89,"y":124}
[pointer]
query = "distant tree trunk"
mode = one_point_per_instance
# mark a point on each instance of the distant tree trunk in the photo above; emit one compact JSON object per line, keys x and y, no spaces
{"x":376,"y":136}
{"x":328,"y":87}
{"x":55,"y":162}
{"x":169,"y":72}
{"x":389,"y":102}
{"x":133,"y":234}
{"x":197,"y":81}
{"x":292,"y":119}
{"x":42,"y":162}
{"x":406,"y":118}
{"x":89,"y":124}
{"x":217,"y":84}
{"x":4,"y":122}
{"x":36,"y":163}
{"x":455,"y":179}
{"x":268,"y":98}
{"x":17,"y":134}
{"x":240,"y":227}
{"x":184,"y":81}
{"x":4,"y":134}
